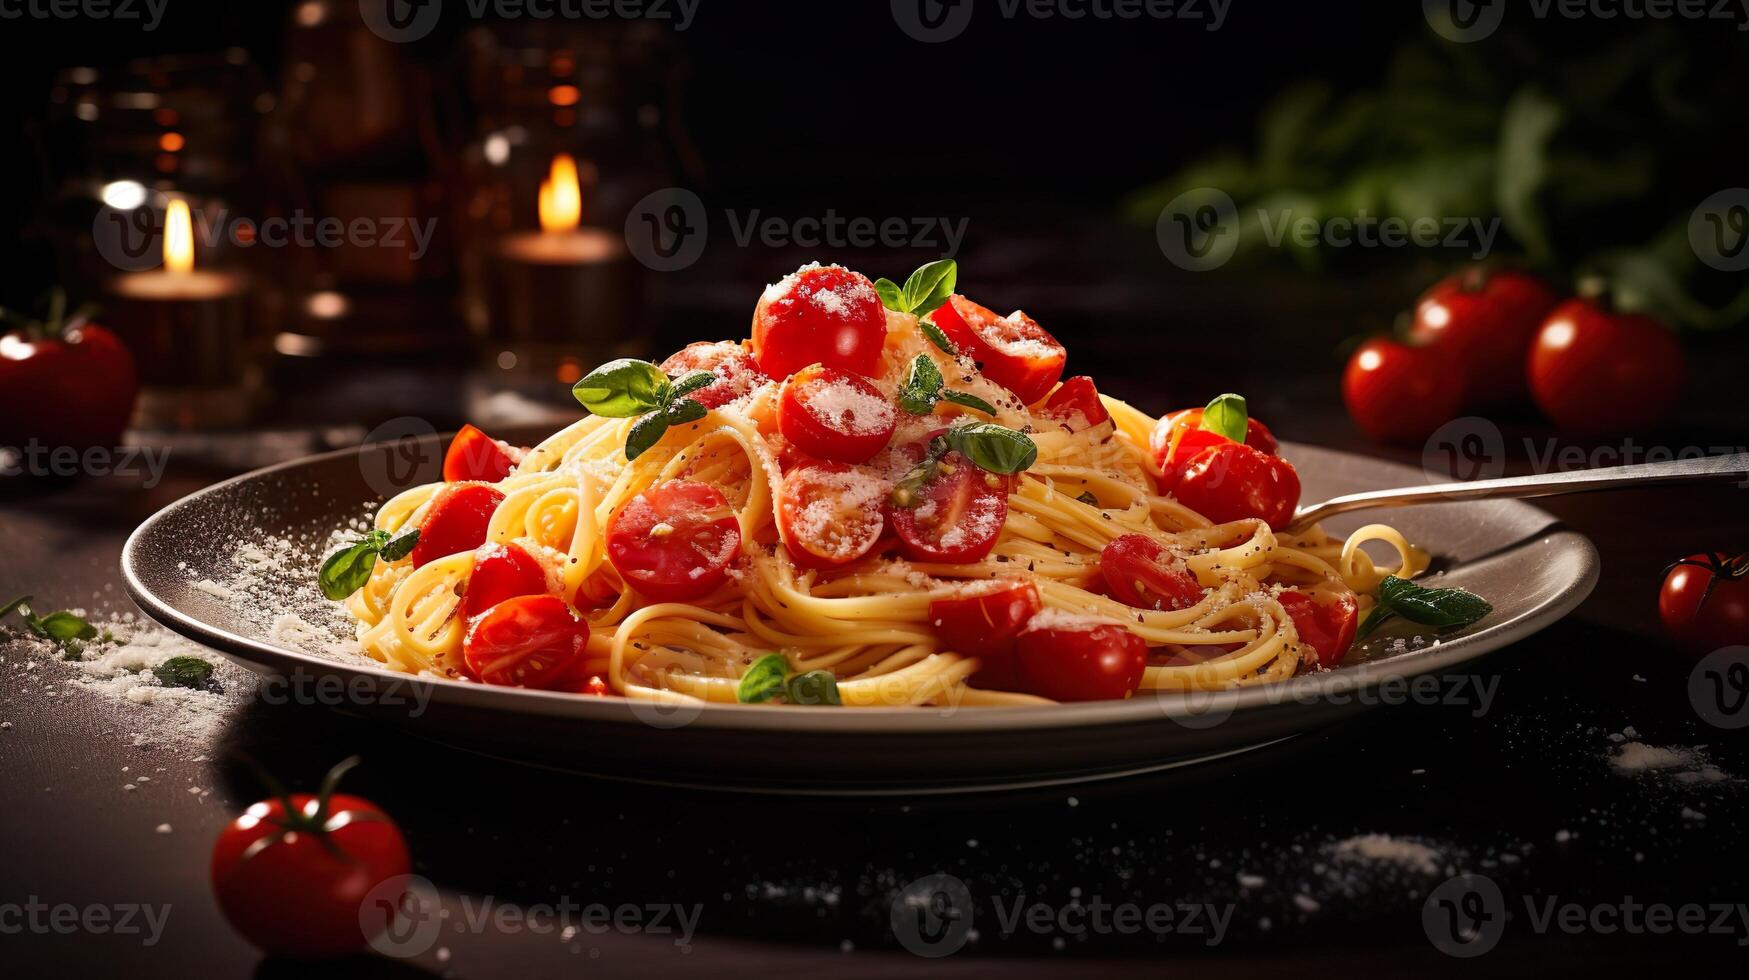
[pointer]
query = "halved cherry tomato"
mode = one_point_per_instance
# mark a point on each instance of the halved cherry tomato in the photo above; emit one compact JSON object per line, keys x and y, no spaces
{"x":958,"y":514}
{"x":736,"y":370}
{"x":1230,"y":482}
{"x":1483,"y":320}
{"x":1076,"y":404}
{"x":502,"y":571}
{"x":1140,"y":572}
{"x":474,"y":455}
{"x":1070,"y":661}
{"x":831,"y":414}
{"x":1178,"y":437}
{"x":1328,"y":627}
{"x":1013,"y":350}
{"x":675,"y":541}
{"x":456,"y":522}
{"x":1399,"y":393}
{"x":1596,"y":371}
{"x":819,"y":315}
{"x":830,"y":513}
{"x":985,"y":625}
{"x":531,"y":641}
{"x":1704,"y":604}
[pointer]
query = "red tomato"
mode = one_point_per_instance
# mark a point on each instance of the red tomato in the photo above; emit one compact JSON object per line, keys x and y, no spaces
{"x":830,"y":414}
{"x":957,"y":517}
{"x":1398,"y":393}
{"x":1140,"y":572}
{"x":1013,"y":350}
{"x":1594,"y":371}
{"x":502,"y":571}
{"x":830,"y":513}
{"x":533,"y":641}
{"x":295,"y":884}
{"x":1072,"y":661}
{"x":1230,"y":482}
{"x":820,"y":315}
{"x":1178,"y":437}
{"x":1076,"y":404}
{"x":474,"y":455}
{"x":1704,"y":604}
{"x":1483,"y":320}
{"x":71,"y":388}
{"x":736,"y":370}
{"x":1327,"y":627}
{"x":456,"y":522}
{"x":985,"y":625}
{"x":675,"y":541}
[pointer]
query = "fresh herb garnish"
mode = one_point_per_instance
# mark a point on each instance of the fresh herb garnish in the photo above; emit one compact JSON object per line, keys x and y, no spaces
{"x":627,"y":388}
{"x":347,"y":569}
{"x":190,"y":672}
{"x":988,"y":446}
{"x":1441,"y":608}
{"x":926,"y":289}
{"x":924,"y":386}
{"x":770,"y":677}
{"x":938,"y":337}
{"x":1226,"y":416}
{"x":63,"y":629}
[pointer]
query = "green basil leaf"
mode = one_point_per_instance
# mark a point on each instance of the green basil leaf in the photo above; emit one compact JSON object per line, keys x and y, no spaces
{"x":906,"y":490}
{"x":1431,"y":607}
{"x":401,"y":545}
{"x":969,"y":401}
{"x":685,"y":410}
{"x":22,"y":602}
{"x":938,"y":337}
{"x":922,"y":386}
{"x":816,"y":687}
{"x":623,"y":388}
{"x":63,"y":627}
{"x":692,"y":381}
{"x":930,"y":286}
{"x":647,"y":432}
{"x":993,"y":447}
{"x":892,"y":297}
{"x":190,"y":672}
{"x":764,"y":680}
{"x":346,"y":570}
{"x":1226,"y":416}
{"x":1087,"y":497}
{"x":1372,"y":622}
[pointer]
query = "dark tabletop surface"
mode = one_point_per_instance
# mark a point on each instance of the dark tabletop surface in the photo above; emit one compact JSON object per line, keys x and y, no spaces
{"x":1517,"y":788}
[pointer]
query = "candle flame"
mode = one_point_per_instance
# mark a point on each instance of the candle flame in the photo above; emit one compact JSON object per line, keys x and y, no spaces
{"x":178,"y":239}
{"x":561,"y":196}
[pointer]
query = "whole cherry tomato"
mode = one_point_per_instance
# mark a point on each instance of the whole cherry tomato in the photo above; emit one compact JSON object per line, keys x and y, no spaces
{"x":1704,"y":603}
{"x":1232,"y":482}
{"x":502,"y":571}
{"x":1398,"y":393}
{"x":1076,"y":405}
{"x":1013,"y":350}
{"x":985,"y":624}
{"x":956,"y":515}
{"x":736,"y":370}
{"x":69,"y":385}
{"x":474,"y":455}
{"x":1483,"y":321}
{"x":675,"y":541}
{"x":1068,"y":660}
{"x":1178,"y":437}
{"x":457,"y":521}
{"x":1140,"y":572}
{"x":293,"y":873}
{"x":1327,"y":627}
{"x":831,"y":414}
{"x":831,"y":513}
{"x":533,"y":641}
{"x":819,"y":315}
{"x":1596,"y":371}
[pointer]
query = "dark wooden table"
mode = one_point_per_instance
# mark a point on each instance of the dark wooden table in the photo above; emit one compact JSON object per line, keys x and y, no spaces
{"x":1522,"y":793}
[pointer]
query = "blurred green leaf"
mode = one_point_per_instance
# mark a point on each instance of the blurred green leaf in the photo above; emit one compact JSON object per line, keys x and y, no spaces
{"x":1528,"y":124}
